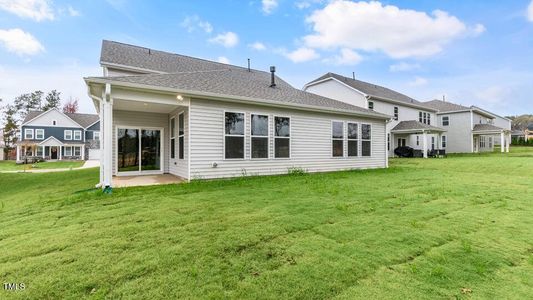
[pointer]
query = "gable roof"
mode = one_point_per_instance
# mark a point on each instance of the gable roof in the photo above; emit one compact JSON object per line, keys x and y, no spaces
{"x":415,"y":125}
{"x":367,"y":88}
{"x":444,"y":106}
{"x":84,"y":120}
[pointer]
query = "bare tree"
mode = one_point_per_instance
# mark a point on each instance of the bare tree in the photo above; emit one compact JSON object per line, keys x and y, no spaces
{"x":71,"y":106}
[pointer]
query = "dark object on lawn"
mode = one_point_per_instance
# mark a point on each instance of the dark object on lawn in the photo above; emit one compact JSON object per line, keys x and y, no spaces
{"x":404,"y":151}
{"x":418,"y":153}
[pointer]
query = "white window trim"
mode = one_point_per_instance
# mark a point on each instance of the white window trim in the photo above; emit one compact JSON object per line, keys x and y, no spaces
{"x":282,"y":137}
{"x":65,"y":135}
{"x":260,"y":136}
{"x":368,"y":106}
{"x":418,"y":140}
{"x":443,"y":141}
{"x":26,"y":131}
{"x":337,"y":139}
{"x":96,"y":133}
{"x":232,"y":135}
{"x":364,"y":140}
{"x":396,"y":113}
{"x":429,"y":119}
{"x":348,"y":139}
{"x":181,"y":116}
{"x":74,"y":135}
{"x":54,"y":122}
{"x":37,"y":135}
{"x":172,"y":137}
{"x":37,"y":151}
{"x":74,"y":150}
{"x":66,"y":152}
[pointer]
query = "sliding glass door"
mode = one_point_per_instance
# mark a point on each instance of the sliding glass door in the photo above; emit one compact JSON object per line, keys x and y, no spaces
{"x":139,"y":150}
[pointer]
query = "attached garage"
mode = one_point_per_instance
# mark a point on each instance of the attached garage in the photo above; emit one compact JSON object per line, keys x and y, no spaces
{"x":94,"y":154}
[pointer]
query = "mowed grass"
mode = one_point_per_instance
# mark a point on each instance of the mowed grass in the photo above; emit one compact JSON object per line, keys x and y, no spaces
{"x":9,"y":165}
{"x":460,"y":227}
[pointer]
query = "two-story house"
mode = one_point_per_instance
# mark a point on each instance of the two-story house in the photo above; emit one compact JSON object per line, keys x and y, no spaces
{"x":54,"y":135}
{"x":412,"y":123}
{"x":472,"y":129}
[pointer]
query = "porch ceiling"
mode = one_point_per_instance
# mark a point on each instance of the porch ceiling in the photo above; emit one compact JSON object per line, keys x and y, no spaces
{"x":119,"y":104}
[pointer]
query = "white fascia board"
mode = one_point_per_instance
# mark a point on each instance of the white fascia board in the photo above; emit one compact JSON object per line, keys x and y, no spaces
{"x":48,"y":111}
{"x":129,"y":68}
{"x":412,"y":105}
{"x":232,"y":98}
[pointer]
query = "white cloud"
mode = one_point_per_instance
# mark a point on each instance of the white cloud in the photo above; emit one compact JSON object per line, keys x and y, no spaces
{"x":228,"y":39}
{"x":478,"y":29}
{"x":38,"y":10}
{"x":268,"y":6}
{"x":192,"y":23}
{"x":223,"y":59}
{"x":492,"y":95}
{"x":257,"y":46}
{"x":418,"y":81}
{"x":346,"y":57}
{"x":19,"y":42}
{"x":302,"y":54}
{"x":371,"y":26}
{"x":73,"y":12}
{"x":306,"y":3}
{"x":403,"y":67}
{"x":530,"y":12}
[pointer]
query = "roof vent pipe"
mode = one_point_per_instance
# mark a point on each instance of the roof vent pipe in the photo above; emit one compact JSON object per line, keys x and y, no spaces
{"x":353,"y":75}
{"x":272,"y":76}
{"x":443,"y":98}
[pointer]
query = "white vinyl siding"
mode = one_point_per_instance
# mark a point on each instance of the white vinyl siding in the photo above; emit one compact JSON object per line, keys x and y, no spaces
{"x":178,"y":166}
{"x":310,"y":142}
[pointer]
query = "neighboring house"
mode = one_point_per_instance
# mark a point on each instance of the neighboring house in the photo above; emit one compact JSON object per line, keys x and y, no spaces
{"x":412,"y":123}
{"x":2,"y":146}
{"x":169,"y":113}
{"x":472,"y":129}
{"x":528,"y":132}
{"x":54,"y":135}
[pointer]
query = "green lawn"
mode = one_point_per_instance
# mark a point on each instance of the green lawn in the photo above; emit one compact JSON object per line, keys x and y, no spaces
{"x":460,"y":227}
{"x":9,"y":165}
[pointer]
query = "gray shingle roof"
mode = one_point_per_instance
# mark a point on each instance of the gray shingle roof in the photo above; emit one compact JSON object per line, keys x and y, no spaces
{"x":84,"y":120}
{"x":240,"y":83}
{"x":369,"y":88}
{"x":414,"y":125}
{"x":444,"y":106}
{"x":486,"y":127}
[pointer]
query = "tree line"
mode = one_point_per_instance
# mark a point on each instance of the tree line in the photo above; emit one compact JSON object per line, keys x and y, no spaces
{"x":14,"y":113}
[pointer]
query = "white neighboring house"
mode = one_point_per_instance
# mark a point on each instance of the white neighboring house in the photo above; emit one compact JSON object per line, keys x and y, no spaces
{"x":472,"y":129}
{"x":412,"y":123}
{"x":199,"y":119}
{"x":54,"y":135}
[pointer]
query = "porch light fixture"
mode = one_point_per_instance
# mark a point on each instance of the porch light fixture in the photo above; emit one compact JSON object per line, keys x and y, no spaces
{"x":179,"y":97}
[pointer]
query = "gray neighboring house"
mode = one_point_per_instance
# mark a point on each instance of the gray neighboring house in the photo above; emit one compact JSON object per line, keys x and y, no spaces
{"x":54,"y":135}
{"x":197,"y":119}
{"x":412,"y":123}
{"x":472,"y":129}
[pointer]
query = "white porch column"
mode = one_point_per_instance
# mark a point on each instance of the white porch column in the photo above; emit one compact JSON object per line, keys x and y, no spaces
{"x":42,"y":149}
{"x":107,"y":110}
{"x":60,"y":152}
{"x":425,"y":144}
{"x":82,"y":152}
{"x":18,"y":153}
{"x":502,"y":142}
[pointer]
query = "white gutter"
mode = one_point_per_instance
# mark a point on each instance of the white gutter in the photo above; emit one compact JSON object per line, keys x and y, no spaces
{"x":232,"y":98}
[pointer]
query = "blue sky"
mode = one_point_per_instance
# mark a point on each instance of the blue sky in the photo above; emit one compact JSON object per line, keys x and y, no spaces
{"x":474,"y":52}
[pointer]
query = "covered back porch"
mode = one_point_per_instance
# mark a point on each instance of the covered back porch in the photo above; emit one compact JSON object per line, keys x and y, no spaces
{"x":485,"y":136}
{"x":142,"y":136}
{"x":426,"y":140}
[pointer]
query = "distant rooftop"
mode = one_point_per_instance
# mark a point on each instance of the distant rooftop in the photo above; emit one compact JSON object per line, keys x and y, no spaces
{"x":442,"y":105}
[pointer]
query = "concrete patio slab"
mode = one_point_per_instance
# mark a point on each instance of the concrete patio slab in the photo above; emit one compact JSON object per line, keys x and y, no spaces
{"x":144,"y":180}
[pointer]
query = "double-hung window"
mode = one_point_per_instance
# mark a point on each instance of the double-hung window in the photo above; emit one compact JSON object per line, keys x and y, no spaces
{"x":420,"y":117}
{"x":259,"y":136}
{"x":396,"y":113}
{"x":337,"y":139}
{"x":39,"y":134}
{"x":445,"y":120}
{"x":77,"y":151}
{"x":181,"y":136}
{"x":418,"y":140}
{"x":77,"y":135}
{"x":234,"y":135}
{"x":424,"y":120}
{"x":172,"y":138}
{"x":67,"y":135}
{"x":366,"y":140}
{"x":443,"y":142}
{"x":39,"y":151}
{"x":282,"y":137}
{"x":353,"y":139}
{"x":96,"y":135}
{"x":429,"y":119}
{"x":370,"y":105}
{"x":28,"y":134}
{"x":68,"y":151}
